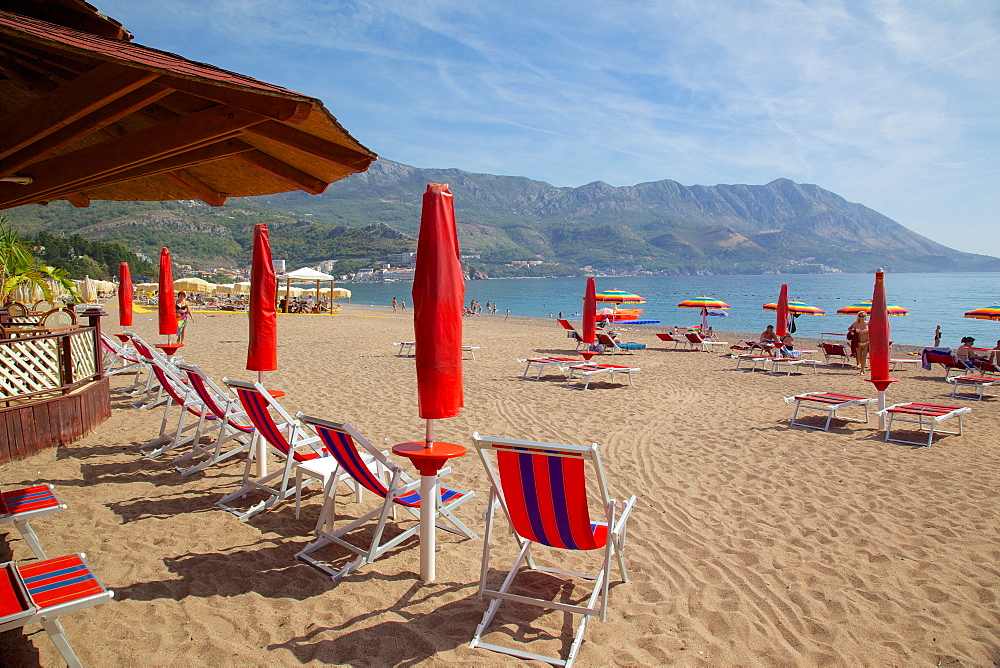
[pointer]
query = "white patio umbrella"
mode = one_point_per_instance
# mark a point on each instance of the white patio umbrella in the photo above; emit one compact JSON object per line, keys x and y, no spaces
{"x":305,"y":274}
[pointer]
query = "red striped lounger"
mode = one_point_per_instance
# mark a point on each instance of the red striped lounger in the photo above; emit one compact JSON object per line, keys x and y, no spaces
{"x":979,"y":383}
{"x":829,"y":404}
{"x":544,"y":362}
{"x":925,"y":414}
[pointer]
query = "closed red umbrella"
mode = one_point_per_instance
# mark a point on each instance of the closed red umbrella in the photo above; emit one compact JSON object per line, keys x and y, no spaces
{"x":781,"y":326}
{"x":878,"y":343}
{"x":165,"y":306}
{"x":438,"y":298}
{"x":262,"y":351}
{"x":590,"y":312}
{"x":124,"y":295}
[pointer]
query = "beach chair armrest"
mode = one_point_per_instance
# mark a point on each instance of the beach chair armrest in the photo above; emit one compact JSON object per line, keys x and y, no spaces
{"x":627,"y":507}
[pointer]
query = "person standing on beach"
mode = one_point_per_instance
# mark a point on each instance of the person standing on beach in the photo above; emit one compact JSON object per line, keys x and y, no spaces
{"x":183,"y":311}
{"x":857,"y":334}
{"x":393,"y":304}
{"x":404,"y":305}
{"x":937,"y":336}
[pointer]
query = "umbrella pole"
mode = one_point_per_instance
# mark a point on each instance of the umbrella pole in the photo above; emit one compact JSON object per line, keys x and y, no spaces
{"x":881,"y":407}
{"x":428,"y":506}
{"x":261,"y":445}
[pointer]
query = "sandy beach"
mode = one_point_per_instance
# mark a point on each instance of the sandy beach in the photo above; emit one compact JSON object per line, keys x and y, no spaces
{"x":753,"y":543}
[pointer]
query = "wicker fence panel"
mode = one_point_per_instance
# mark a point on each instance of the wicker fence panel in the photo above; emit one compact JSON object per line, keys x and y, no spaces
{"x":30,"y":365}
{"x":82,"y":347}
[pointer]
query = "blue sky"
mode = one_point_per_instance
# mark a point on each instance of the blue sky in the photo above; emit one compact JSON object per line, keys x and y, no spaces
{"x":891,"y":103}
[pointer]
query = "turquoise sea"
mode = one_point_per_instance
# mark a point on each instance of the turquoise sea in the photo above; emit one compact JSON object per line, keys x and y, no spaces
{"x":932,"y":299}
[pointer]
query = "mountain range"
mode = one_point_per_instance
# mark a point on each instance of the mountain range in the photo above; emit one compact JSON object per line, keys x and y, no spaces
{"x":517,"y":226}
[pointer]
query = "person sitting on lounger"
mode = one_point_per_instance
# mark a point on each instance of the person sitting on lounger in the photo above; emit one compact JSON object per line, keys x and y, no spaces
{"x":787,"y":348}
{"x":768,"y":335}
{"x":965,"y":351}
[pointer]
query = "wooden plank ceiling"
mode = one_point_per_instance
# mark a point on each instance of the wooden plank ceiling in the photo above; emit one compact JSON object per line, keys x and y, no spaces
{"x":88,"y":117}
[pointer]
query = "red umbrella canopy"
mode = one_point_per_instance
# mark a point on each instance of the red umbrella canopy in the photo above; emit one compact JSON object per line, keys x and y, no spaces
{"x":878,"y":335}
{"x":781,"y":328}
{"x":165,"y":302}
{"x":262,"y":351}
{"x":124,"y":295}
{"x":438,"y":297}
{"x":590,"y":312}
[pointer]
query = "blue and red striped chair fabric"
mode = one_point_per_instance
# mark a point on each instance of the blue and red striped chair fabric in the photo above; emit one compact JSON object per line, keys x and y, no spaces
{"x":342,"y":446}
{"x":28,"y":499}
{"x":547,"y":500}
{"x":201,"y":389}
{"x":256,"y":407}
{"x":59,"y":581}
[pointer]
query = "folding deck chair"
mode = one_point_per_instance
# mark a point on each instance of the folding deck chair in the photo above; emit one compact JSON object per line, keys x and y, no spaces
{"x":301,"y":451}
{"x":20,"y":506}
{"x":223,"y":412}
{"x":152,"y":394}
{"x":542,"y":489}
{"x":388,"y":482}
{"x":571,"y":332}
{"x":836,"y":350}
{"x":617,"y":347}
{"x":977,"y":383}
{"x":176,"y":392}
{"x":44,"y":590}
{"x":119,"y":359}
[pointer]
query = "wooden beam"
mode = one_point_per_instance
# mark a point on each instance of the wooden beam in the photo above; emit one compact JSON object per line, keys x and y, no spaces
{"x":132,"y":150}
{"x":198,"y":156}
{"x":42,"y":66}
{"x":265,"y":103}
{"x":79,"y":200}
{"x":283,"y":171}
{"x":69,"y":103}
{"x":27,"y":77}
{"x":197,"y":187}
{"x":307,"y":143}
{"x":74,"y":63}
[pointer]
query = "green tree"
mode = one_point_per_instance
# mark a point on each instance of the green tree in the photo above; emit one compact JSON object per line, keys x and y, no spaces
{"x":19,"y":266}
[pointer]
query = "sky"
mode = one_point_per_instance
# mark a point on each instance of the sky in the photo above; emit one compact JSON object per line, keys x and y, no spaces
{"x":894,"y":104}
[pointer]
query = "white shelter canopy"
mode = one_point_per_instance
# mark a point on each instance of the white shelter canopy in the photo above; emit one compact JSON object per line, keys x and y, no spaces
{"x":307,"y":274}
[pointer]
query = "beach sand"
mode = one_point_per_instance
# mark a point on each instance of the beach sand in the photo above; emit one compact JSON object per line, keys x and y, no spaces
{"x":752,"y":543}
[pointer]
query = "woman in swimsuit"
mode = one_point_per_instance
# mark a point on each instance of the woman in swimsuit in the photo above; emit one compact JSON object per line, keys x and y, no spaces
{"x":183,"y":311}
{"x":859,"y":328}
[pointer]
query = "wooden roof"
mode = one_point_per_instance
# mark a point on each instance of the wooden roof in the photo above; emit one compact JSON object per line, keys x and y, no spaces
{"x":90,"y":117}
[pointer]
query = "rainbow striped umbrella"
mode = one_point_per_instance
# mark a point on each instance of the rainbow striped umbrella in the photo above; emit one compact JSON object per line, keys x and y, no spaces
{"x":866,"y":307}
{"x":796,"y":307}
{"x":703,"y":302}
{"x":988,"y":313}
{"x":619,"y":297}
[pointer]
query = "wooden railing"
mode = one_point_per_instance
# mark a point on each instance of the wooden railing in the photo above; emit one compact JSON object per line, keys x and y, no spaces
{"x":47,"y":364}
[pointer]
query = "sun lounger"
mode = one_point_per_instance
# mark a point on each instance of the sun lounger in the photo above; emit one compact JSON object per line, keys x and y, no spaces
{"x":585,"y":371}
{"x":612,"y":346}
{"x":698,"y":342}
{"x":543,"y":492}
{"x":945,"y":358}
{"x":20,"y":506}
{"x":545,"y":362}
{"x":978,"y":383}
{"x":790,"y":363}
{"x":827,"y":403}
{"x":922,"y":415}
{"x":670,"y":338}
{"x":42,"y":591}
{"x":900,"y":363}
{"x":985,"y":366}
{"x":410,"y":348}
{"x":753,"y":360}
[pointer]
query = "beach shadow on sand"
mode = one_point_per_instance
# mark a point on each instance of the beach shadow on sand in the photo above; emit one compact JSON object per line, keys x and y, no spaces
{"x":421,"y":634}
